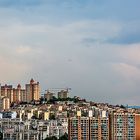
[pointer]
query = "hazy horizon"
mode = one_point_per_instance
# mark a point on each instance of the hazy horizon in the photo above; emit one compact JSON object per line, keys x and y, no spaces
{"x":90,"y":46}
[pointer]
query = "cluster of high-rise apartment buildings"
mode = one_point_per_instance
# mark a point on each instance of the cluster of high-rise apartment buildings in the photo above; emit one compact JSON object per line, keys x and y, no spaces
{"x":55,"y":116}
{"x":119,"y":125}
{"x":10,"y":95}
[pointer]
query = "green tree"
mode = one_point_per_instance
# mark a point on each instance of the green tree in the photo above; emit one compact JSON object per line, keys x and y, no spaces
{"x":64,"y":137}
{"x":1,"y":136}
{"x":52,"y":117}
{"x":51,"y":138}
{"x":122,"y":106}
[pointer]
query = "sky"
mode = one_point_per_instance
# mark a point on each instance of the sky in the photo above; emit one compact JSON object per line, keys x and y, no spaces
{"x":90,"y":46}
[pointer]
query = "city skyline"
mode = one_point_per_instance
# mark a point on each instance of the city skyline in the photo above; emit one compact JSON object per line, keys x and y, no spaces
{"x":89,"y":46}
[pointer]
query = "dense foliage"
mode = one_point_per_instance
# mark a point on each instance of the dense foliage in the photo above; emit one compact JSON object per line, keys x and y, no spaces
{"x":1,"y":136}
{"x":64,"y":137}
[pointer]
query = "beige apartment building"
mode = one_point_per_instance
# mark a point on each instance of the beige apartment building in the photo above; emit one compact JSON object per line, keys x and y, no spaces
{"x":14,"y":94}
{"x":33,"y":91}
{"x":7,"y":91}
{"x":48,"y":96}
{"x":5,"y":103}
{"x":30,"y":93}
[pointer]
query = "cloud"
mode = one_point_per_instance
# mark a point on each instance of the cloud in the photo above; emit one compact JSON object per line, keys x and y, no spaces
{"x":38,"y":41}
{"x":129,"y":34}
{"x":9,"y":3}
{"x":59,"y":12}
{"x":128,"y":72}
{"x":23,"y":49}
{"x":11,"y":70}
{"x":43,"y":51}
{"x":129,"y":53}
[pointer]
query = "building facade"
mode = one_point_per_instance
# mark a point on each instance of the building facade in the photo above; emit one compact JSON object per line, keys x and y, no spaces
{"x":63,"y":94}
{"x":32,"y":91}
{"x":5,"y":103}
{"x":48,"y":96}
{"x":88,"y":128}
{"x":14,"y":94}
{"x":124,"y":125}
{"x":7,"y":91}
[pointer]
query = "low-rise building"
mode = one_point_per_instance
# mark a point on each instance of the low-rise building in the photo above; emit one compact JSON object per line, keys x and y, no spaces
{"x":8,"y":114}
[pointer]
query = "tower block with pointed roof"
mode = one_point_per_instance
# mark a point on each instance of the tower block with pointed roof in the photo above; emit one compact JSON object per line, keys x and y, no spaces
{"x":32,"y":91}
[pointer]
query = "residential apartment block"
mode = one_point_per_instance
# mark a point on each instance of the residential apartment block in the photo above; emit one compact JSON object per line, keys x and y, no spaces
{"x":124,"y":125}
{"x":63,"y":94}
{"x":88,"y":128}
{"x":18,"y":94}
{"x":33,"y":91}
